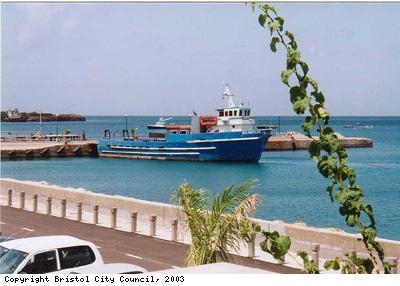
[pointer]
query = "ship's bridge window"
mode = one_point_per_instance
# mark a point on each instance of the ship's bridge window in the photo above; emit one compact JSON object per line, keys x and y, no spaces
{"x":226,"y":113}
{"x":230,"y":113}
{"x":183,"y":132}
{"x":240,"y":112}
{"x":221,"y":113}
{"x":173,"y":132}
{"x":235,"y":113}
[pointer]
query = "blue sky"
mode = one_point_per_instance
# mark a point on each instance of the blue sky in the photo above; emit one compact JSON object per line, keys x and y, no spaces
{"x":160,"y":59}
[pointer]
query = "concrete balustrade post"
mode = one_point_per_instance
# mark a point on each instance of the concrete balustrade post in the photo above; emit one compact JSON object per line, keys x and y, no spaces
{"x":63,"y":208}
{"x":9,"y":198}
{"x":48,"y":208}
{"x":113,"y":217}
{"x":79,"y":211}
{"x":153,"y":222}
{"x":393,"y":262}
{"x":22,"y":200}
{"x":315,"y":254}
{"x":34,"y":202}
{"x":96,"y":214}
{"x":174,"y":230}
{"x":133,"y":221}
{"x":251,"y":247}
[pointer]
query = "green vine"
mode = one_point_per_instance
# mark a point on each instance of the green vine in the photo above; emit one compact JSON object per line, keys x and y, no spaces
{"x":330,"y":157}
{"x":351,"y":264}
{"x":309,"y":265}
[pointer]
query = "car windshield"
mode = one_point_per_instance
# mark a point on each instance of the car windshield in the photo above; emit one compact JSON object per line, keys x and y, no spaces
{"x":10,"y":259}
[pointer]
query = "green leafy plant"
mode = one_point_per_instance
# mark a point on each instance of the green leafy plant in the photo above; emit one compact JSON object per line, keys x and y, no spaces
{"x":215,"y":223}
{"x":275,"y":244}
{"x":331,"y":159}
{"x":249,"y":229}
{"x":309,"y":265}
{"x":351,"y":264}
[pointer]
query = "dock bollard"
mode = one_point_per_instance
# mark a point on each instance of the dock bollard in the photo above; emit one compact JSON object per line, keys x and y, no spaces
{"x":315,"y":254}
{"x":34,"y":202}
{"x":96,"y":214}
{"x":22,"y":200}
{"x":113,"y":217}
{"x":153,"y":221}
{"x":174,"y":230}
{"x":393,"y":262}
{"x":63,"y":207}
{"x":48,"y":209}
{"x":9,"y":197}
{"x":79,"y":211}
{"x":133,"y":221}
{"x":251,"y":247}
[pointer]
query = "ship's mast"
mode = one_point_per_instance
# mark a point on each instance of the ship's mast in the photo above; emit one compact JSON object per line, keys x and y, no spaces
{"x":229,"y":95}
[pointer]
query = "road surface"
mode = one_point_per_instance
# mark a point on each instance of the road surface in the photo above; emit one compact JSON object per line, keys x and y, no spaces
{"x":114,"y":245}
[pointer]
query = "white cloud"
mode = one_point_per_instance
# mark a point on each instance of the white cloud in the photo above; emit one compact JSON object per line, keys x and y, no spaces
{"x":40,"y":20}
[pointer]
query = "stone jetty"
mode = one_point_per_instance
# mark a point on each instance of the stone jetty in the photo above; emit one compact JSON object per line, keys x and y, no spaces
{"x":297,"y":141}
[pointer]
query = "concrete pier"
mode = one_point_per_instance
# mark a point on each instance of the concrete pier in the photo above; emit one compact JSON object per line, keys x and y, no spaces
{"x":297,"y":141}
{"x":44,"y":149}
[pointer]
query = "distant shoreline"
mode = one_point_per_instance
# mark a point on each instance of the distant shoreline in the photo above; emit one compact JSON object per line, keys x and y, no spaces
{"x":37,"y":117}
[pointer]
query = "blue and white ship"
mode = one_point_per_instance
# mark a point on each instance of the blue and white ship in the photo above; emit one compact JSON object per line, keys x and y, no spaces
{"x":230,"y":136}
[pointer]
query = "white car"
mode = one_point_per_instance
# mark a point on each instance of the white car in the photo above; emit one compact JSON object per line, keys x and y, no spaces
{"x":56,"y":254}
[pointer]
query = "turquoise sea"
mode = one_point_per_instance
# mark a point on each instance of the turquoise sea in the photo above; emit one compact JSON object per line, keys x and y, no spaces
{"x":289,"y":182}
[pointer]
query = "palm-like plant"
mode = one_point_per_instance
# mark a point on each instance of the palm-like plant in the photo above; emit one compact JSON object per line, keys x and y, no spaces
{"x":216,"y":228}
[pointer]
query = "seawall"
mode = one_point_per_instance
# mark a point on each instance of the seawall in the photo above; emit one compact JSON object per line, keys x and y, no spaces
{"x":333,"y":242}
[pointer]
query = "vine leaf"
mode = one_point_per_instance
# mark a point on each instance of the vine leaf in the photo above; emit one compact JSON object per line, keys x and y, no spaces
{"x":319,"y":97}
{"x":262,"y":19}
{"x":332,"y":264}
{"x":304,"y":67}
{"x":297,"y":93}
{"x":285,"y":75}
{"x":275,"y":244}
{"x":301,"y":105}
{"x":309,"y":265}
{"x":273,"y":26}
{"x":267,"y":8}
{"x":273,"y":43}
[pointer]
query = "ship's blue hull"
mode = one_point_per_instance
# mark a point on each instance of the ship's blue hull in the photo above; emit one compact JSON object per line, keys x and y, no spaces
{"x":224,"y":146}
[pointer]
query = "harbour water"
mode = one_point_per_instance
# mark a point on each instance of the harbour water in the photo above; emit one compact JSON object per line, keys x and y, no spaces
{"x":291,"y":187}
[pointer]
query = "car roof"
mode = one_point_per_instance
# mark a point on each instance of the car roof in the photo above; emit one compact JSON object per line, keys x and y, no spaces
{"x":111,"y":268}
{"x":41,"y":243}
